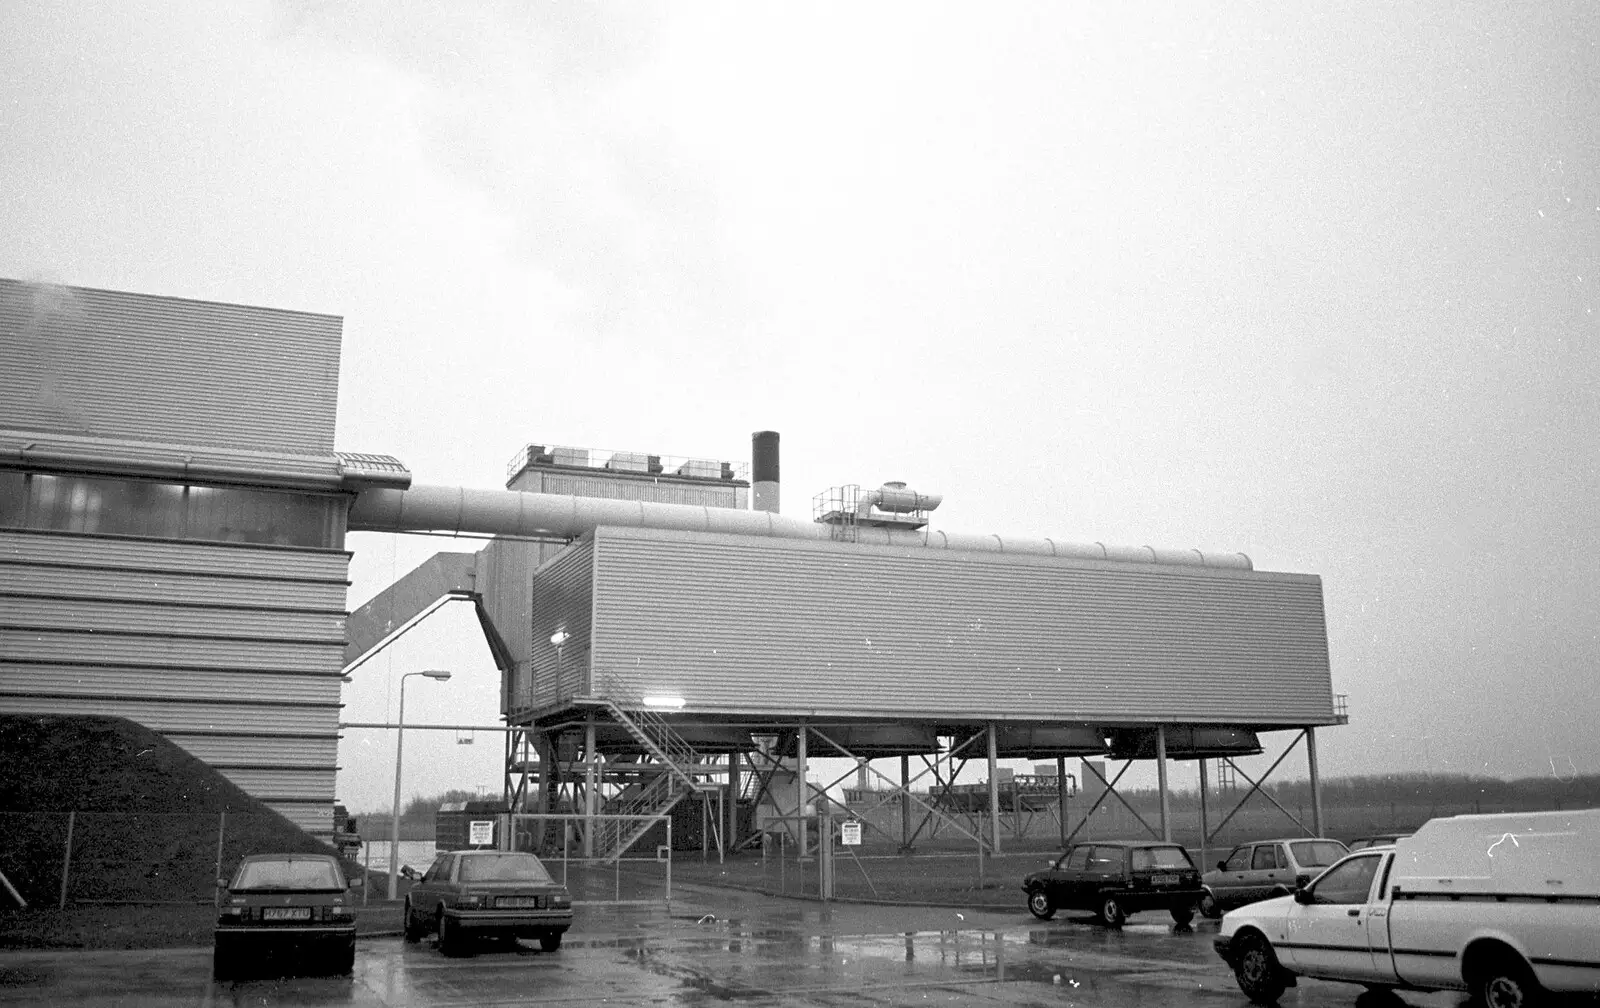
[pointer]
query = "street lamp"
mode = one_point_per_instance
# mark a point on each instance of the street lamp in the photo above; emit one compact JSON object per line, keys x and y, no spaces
{"x":399,"y":747}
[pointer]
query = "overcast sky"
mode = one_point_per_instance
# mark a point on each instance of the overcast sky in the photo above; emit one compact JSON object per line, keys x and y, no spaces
{"x":1320,"y":288}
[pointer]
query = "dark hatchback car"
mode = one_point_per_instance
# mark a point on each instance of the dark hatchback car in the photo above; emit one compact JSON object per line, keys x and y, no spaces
{"x":1115,"y":878}
{"x":293,"y":906}
{"x":472,"y":893}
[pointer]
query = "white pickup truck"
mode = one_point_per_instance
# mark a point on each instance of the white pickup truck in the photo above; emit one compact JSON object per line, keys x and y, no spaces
{"x":1504,"y":906}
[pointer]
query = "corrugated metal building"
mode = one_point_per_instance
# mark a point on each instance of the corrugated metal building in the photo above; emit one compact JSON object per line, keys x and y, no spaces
{"x":770,"y":629}
{"x":172,"y":521}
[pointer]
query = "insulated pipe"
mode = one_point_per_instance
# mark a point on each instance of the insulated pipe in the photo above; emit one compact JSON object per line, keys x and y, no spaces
{"x":558,"y":516}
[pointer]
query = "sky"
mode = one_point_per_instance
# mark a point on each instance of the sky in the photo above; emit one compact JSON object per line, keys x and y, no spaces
{"x":1317,"y":286}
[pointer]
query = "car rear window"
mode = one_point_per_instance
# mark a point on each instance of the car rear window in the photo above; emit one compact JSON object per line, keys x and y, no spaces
{"x":503,"y":868}
{"x":1161,"y":857}
{"x":1317,"y":853}
{"x":287,"y":874}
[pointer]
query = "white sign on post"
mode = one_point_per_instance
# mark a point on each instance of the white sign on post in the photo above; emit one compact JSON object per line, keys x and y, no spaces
{"x":480,"y":832}
{"x":850,"y":833}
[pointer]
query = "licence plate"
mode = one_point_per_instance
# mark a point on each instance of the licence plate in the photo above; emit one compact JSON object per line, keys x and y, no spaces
{"x":286,"y":913}
{"x":1163,"y":880}
{"x":519,"y":901}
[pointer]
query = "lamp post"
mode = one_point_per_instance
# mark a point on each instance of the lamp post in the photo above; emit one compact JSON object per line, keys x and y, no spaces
{"x":399,"y":747}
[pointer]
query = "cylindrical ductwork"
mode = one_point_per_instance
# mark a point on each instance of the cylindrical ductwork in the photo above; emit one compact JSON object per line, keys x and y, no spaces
{"x":865,"y":741}
{"x":1045,"y":741}
{"x":764,"y":470}
{"x":894,"y":498}
{"x":557,"y":516}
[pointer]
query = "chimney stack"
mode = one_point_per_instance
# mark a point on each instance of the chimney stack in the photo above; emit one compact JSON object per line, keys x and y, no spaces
{"x":764,"y":466}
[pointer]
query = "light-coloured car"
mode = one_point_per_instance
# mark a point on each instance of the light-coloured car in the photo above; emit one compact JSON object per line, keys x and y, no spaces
{"x":1264,"y":869}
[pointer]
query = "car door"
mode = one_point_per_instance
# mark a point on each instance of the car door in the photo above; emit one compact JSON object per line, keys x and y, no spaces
{"x":1328,"y":936}
{"x":426,"y":894}
{"x":1067,"y":882}
{"x":1281,"y":875}
{"x":1106,"y":870}
{"x":1257,"y":880}
{"x":1228,"y":886}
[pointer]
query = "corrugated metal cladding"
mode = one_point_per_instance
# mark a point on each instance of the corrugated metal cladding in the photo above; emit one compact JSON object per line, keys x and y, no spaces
{"x":149,"y":368}
{"x":783,"y":628}
{"x":561,"y":604}
{"x":615,"y":487}
{"x":505,"y":580}
{"x":233,"y":652}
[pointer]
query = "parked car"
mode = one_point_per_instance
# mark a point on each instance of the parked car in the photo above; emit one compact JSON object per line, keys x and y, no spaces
{"x":472,"y":893}
{"x":1502,"y":906}
{"x":293,"y":904}
{"x":1376,"y":840}
{"x":1115,"y":878}
{"x":1264,"y":869}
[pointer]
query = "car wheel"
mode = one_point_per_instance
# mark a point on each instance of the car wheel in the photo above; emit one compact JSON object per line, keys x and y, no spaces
{"x":450,"y":937}
{"x":1257,"y":969}
{"x":1209,"y":907}
{"x":1039,"y":905}
{"x":1506,"y":983}
{"x":344,"y":960}
{"x":550,"y":940}
{"x":411,"y":929}
{"x":1182,"y":915}
{"x":1111,"y":911}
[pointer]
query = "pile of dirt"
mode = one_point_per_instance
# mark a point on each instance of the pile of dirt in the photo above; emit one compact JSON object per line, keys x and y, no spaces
{"x":128,"y":814}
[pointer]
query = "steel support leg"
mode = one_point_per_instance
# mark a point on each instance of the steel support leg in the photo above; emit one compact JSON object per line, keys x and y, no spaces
{"x":1161,"y":783}
{"x":1316,"y":782}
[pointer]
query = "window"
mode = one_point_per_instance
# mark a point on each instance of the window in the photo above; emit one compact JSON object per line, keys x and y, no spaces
{"x":1350,"y":882}
{"x":1078,"y":860}
{"x":135,"y":507}
{"x":503,"y":868}
{"x":1266,"y":857}
{"x":1106,"y":859}
{"x":1239,"y":860}
{"x":288,"y":874}
{"x":438,"y":869}
{"x":1317,"y":853}
{"x":1160,"y":857}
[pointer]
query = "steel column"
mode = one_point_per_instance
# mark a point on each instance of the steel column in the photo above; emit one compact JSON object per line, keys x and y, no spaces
{"x":994,"y":793}
{"x":1161,"y":782}
{"x":732,"y":842}
{"x":1061,"y":797}
{"x":1316,"y":784}
{"x":800,"y":787}
{"x":1204,"y":867}
{"x":905,"y":803}
{"x":591,"y":785}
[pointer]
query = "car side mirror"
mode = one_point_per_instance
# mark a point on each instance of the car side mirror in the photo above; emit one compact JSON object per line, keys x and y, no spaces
{"x":222,"y":883}
{"x":1222,"y":866}
{"x":1303,"y":896}
{"x":352,"y":883}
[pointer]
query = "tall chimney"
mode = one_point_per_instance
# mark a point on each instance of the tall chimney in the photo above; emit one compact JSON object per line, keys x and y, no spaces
{"x":764,"y":463}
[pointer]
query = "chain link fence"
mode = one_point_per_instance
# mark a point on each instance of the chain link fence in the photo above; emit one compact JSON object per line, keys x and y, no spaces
{"x":53,"y":859}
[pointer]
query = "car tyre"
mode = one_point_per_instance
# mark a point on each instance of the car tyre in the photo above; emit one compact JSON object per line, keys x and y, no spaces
{"x":344,"y":960}
{"x":550,"y":941}
{"x":1182,"y":915}
{"x":1209,"y":907}
{"x":411,"y":929}
{"x":1257,"y":969}
{"x":451,"y":941}
{"x":1040,"y":906}
{"x":1505,"y":982}
{"x":1111,"y":912}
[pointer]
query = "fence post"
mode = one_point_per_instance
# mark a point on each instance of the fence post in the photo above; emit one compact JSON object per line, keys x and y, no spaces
{"x":66,"y":860}
{"x":222,"y":826}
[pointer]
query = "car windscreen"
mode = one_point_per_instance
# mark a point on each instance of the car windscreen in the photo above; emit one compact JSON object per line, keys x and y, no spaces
{"x":1317,"y":853}
{"x":287,"y":874}
{"x":503,"y":868}
{"x":1160,"y":857}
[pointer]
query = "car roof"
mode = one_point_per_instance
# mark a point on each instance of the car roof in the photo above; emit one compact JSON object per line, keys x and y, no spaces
{"x":1127,"y":843}
{"x":289,"y":857}
{"x":1293,"y":839}
{"x":493,"y":853}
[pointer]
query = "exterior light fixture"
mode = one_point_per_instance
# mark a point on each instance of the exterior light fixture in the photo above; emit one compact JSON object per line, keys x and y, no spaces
{"x":670,"y":702}
{"x":559,"y":637}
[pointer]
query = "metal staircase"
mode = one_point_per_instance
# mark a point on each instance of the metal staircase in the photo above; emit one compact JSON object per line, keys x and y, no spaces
{"x":674,"y":759}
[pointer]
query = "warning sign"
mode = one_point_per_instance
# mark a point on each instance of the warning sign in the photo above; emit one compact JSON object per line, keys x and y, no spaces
{"x":480,"y":832}
{"x":850,"y":833}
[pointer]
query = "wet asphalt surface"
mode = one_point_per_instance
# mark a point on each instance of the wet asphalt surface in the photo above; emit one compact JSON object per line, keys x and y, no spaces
{"x":713,"y":947}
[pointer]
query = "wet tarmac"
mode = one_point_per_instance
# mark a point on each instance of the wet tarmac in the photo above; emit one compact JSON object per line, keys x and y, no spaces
{"x":717,"y":947}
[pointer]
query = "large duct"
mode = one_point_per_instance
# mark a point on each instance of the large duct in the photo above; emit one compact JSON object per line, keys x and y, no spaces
{"x":764,"y":470}
{"x":557,"y":516}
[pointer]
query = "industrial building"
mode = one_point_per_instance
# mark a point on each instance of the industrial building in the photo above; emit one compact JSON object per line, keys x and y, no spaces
{"x":657,"y":637}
